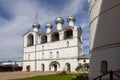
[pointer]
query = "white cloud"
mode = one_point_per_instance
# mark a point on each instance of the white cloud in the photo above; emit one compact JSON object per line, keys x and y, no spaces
{"x":22,"y":14}
{"x":86,"y":42}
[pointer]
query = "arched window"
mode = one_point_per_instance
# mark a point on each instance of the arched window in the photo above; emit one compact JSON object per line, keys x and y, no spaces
{"x":57,"y":54}
{"x":50,"y":54}
{"x":68,"y":33}
{"x":30,"y":40}
{"x":55,"y":36}
{"x":104,"y":66}
{"x":42,"y":55}
{"x":68,"y":67}
{"x":44,"y":39}
{"x":43,"y":47}
{"x":28,"y":56}
{"x":67,"y":43}
{"x":42,"y":67}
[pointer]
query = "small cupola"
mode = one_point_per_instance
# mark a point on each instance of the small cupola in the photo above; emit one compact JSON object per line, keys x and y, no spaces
{"x":59,"y":22}
{"x":48,"y":27}
{"x":36,"y":27}
{"x":71,"y":21}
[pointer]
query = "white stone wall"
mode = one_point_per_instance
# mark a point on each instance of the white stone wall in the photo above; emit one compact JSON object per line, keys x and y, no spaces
{"x":30,"y":63}
{"x":104,"y":35}
{"x":94,"y":11}
{"x":62,"y":62}
{"x":81,"y":61}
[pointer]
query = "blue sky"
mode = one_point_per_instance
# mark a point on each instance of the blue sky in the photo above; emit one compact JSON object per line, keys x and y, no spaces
{"x":17,"y":17}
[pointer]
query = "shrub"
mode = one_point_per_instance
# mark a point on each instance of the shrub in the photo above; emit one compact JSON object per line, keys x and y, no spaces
{"x":78,"y":68}
{"x":83,"y":76}
{"x":63,"y":72}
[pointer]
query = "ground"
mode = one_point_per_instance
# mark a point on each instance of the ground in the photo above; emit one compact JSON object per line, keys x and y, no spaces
{"x":14,"y":75}
{"x":50,"y":77}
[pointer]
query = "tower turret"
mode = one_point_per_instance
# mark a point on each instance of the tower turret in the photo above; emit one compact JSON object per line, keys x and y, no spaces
{"x":59,"y":22}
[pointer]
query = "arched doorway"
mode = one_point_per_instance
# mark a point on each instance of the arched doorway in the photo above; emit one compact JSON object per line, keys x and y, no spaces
{"x":28,"y":68}
{"x":54,"y":66}
{"x":42,"y":67}
{"x":68,"y":67}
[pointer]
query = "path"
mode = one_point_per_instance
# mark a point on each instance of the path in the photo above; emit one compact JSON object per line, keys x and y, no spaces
{"x":14,"y":75}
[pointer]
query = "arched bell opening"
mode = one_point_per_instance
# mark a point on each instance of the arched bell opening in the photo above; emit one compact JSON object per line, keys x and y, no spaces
{"x":55,"y":36}
{"x":30,"y":40}
{"x":43,"y":39}
{"x":68,"y":33}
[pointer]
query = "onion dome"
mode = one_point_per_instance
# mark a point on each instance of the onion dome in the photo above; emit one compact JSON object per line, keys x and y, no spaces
{"x":36,"y":25}
{"x":59,"y":20}
{"x":49,"y":26}
{"x":71,"y":18}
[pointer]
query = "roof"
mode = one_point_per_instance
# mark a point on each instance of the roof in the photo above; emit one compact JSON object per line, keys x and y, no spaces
{"x":85,"y":56}
{"x":27,"y":32}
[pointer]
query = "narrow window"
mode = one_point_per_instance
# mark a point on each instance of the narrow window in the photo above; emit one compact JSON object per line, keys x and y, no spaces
{"x":67,"y":43}
{"x":68,"y":67}
{"x":57,"y":54}
{"x":42,"y":67}
{"x":28,"y":56}
{"x":104,"y":66}
{"x":42,"y":55}
{"x":50,"y":54}
{"x":43,"y":47}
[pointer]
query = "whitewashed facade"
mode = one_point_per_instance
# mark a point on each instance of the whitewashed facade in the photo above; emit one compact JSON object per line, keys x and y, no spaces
{"x":54,"y":50}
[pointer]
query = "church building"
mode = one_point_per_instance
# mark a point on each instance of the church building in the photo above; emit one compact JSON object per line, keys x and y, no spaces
{"x":104,"y":39}
{"x":54,"y":50}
